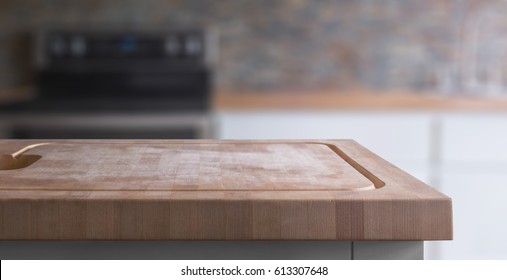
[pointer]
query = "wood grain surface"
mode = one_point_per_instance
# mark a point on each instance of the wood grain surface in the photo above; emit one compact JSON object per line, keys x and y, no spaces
{"x":212,"y":190}
{"x":187,"y":167}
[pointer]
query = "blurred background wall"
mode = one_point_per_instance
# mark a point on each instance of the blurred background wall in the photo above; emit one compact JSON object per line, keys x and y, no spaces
{"x":271,"y":45}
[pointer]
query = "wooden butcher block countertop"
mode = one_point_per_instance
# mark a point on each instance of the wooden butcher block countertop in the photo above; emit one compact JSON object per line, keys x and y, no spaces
{"x":211,"y":190}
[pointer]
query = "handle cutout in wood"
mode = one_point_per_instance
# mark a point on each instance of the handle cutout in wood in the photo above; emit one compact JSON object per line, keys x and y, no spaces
{"x":18,"y":159}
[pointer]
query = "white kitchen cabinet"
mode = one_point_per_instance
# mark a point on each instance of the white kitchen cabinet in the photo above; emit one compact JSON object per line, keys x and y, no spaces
{"x":473,"y":172}
{"x":479,"y":206}
{"x":474,"y":137}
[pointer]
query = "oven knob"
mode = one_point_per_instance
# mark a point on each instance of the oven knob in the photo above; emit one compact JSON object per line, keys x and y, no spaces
{"x":172,"y":46}
{"x":58,"y":46}
{"x":193,"y":46}
{"x":78,"y":46}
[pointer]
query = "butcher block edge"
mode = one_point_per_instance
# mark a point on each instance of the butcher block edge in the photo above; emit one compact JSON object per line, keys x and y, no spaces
{"x":399,"y":208}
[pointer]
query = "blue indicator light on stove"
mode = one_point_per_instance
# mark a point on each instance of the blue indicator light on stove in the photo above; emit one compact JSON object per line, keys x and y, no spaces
{"x":128,"y":44}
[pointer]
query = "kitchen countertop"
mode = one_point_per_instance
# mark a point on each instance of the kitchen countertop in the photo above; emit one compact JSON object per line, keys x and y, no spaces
{"x":212,"y":190}
{"x":354,"y":99}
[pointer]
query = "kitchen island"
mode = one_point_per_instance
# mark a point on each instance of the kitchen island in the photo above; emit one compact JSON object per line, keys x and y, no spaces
{"x":212,"y":199}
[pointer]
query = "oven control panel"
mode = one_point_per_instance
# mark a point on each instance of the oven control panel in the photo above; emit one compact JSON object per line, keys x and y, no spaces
{"x":175,"y":45}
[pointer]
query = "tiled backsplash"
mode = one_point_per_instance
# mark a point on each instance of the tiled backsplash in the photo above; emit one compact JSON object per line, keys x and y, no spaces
{"x":446,"y":45}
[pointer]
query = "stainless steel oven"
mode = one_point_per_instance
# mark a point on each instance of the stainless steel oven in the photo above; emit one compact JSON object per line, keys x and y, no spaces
{"x":117,"y":84}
